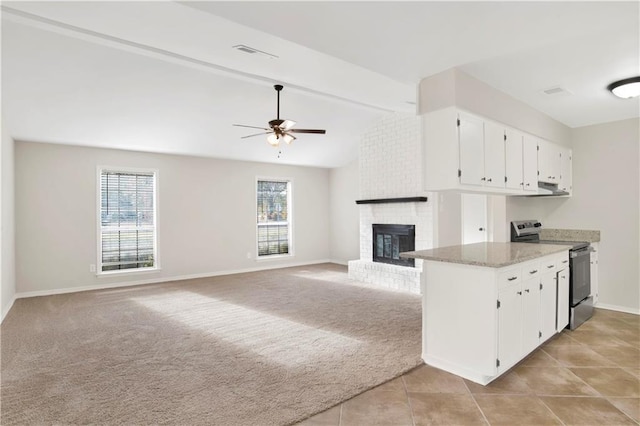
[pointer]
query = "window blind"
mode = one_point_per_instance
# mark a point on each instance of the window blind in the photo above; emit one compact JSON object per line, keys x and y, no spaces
{"x":273,"y":217}
{"x":127,"y":220}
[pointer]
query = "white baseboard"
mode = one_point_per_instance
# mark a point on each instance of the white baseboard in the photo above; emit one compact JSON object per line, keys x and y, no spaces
{"x":158,"y":280}
{"x":6,"y":309}
{"x":340,"y":262}
{"x":617,"y":308}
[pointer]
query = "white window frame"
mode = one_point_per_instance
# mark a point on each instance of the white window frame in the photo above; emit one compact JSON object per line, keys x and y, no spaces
{"x":156,"y":252}
{"x":289,"y":182}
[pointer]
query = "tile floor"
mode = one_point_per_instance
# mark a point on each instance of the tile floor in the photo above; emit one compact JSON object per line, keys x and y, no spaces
{"x":590,"y":376}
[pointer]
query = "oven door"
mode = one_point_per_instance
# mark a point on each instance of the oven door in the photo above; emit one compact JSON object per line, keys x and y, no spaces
{"x":580,"y":266}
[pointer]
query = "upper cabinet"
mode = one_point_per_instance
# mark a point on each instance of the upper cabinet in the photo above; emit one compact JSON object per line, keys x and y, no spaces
{"x":466,"y":152}
{"x":565,"y":183}
{"x":548,"y":162}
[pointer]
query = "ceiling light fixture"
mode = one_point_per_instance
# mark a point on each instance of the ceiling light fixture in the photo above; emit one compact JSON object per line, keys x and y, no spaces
{"x":627,"y":88}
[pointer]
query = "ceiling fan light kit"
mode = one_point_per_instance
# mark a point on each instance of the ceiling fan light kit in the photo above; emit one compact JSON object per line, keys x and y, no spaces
{"x":280,"y":130}
{"x":626,"y":89}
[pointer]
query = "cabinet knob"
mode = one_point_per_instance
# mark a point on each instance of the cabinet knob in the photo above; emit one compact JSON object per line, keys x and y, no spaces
{"x":520,"y":293}
{"x":480,"y":229}
{"x":528,"y":184}
{"x":483,"y":179}
{"x":489,"y":180}
{"x":527,"y":290}
{"x":521,"y":183}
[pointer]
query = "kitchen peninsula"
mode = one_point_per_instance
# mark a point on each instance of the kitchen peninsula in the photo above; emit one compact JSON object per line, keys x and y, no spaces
{"x":486,"y":306}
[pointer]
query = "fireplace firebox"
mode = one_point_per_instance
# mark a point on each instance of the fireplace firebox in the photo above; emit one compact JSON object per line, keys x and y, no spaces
{"x":391,"y":240}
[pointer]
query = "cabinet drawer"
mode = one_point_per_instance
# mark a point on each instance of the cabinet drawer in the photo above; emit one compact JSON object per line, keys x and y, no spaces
{"x":562,"y":263}
{"x":507,"y":278}
{"x":530,"y":270}
{"x":548,"y":265}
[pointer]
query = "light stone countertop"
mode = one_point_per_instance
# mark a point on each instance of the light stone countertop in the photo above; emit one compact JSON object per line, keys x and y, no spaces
{"x":570,"y":235}
{"x":492,"y":255}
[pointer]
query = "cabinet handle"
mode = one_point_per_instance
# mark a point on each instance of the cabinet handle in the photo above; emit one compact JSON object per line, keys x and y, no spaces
{"x":563,"y":277}
{"x":528,"y":184}
{"x":565,"y":261}
{"x":533,"y":272}
{"x":549,"y":177}
{"x":520,"y":293}
{"x":527,"y":290}
{"x":521,"y":183}
{"x":550,"y":266}
{"x":512,"y":278}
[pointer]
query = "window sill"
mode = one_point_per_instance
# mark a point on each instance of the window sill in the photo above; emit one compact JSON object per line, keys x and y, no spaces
{"x":274,"y":257}
{"x":124,"y":272}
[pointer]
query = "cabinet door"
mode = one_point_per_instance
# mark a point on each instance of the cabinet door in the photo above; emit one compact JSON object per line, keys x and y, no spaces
{"x":530,"y":163}
{"x":514,"y":164}
{"x":563,"y":299}
{"x":530,"y":315}
{"x":594,"y":272}
{"x":548,"y":162}
{"x":548,"y":310}
{"x":494,"y":167}
{"x":509,"y":327}
{"x":471,"y":143}
{"x":565,"y":170}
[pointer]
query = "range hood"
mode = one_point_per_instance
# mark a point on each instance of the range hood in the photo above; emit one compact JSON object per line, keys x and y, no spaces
{"x":549,"y":189}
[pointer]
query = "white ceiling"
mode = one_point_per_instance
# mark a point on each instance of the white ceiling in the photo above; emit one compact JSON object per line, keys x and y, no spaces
{"x":162,"y":76}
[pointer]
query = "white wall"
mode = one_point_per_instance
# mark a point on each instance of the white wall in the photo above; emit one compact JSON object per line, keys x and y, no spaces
{"x":344,"y":238}
{"x":606,"y":187}
{"x":7,"y":249}
{"x":206,"y":215}
{"x":456,"y":88}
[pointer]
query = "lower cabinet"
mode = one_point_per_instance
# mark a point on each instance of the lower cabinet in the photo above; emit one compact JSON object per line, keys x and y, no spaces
{"x":478,"y":322}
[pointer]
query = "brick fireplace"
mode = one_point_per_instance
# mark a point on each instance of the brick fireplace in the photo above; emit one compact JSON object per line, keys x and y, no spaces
{"x":391,"y":193}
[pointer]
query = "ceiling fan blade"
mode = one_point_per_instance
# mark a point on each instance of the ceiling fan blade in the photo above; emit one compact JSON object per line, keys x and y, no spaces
{"x":250,"y":127}
{"x":257,"y":134}
{"x":316,"y":131}
{"x":287,"y":125}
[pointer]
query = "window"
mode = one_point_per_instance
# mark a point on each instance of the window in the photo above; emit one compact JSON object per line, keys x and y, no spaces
{"x":127,"y":220}
{"x":274,"y":217}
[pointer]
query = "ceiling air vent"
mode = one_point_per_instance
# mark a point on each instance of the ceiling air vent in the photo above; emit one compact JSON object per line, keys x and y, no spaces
{"x":246,"y":49}
{"x":556,"y":91}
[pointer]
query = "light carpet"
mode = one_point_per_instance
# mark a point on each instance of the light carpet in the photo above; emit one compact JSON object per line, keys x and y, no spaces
{"x":263,"y":348}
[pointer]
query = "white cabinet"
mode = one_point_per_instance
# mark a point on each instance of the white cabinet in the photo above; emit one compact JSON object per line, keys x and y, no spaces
{"x":530,"y":163}
{"x":514,"y":159}
{"x":471,"y":142}
{"x":565,"y":182}
{"x":466,"y":152}
{"x":594,"y":272}
{"x":494,"y":167}
{"x":562,"y":314}
{"x":479,"y":321}
{"x":548,"y":162}
{"x":521,"y":161}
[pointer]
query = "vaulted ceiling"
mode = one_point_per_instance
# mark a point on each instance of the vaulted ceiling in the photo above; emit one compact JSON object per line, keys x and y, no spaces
{"x":164,"y":76}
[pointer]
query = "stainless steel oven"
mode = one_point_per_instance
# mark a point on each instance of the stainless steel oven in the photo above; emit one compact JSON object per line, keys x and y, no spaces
{"x":580,"y":300}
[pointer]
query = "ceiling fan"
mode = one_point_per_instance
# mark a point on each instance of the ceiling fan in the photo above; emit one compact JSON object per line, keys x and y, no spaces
{"x":280,"y":130}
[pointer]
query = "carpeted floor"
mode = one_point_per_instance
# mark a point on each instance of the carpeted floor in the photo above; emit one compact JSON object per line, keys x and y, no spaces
{"x":264,"y":348}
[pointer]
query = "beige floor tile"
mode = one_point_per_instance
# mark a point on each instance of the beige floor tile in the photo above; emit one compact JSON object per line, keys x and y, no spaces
{"x":377,"y":408}
{"x":586,"y":411}
{"x":596,"y":337}
{"x":633,"y":370}
{"x":577,"y":356}
{"x":610,"y":381}
{"x":445,"y":409}
{"x":515,"y":410}
{"x":629,"y":336}
{"x":629,"y":406}
{"x":554,"y":381}
{"x":562,"y":339}
{"x":433,"y":380}
{"x":622,"y":356}
{"x":509,"y":384}
{"x":330,"y":417}
{"x":540,"y":358}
